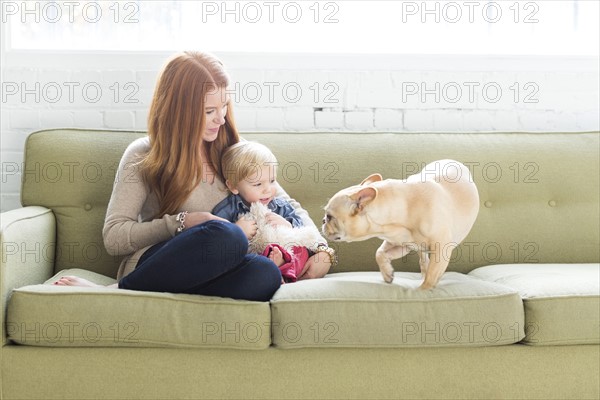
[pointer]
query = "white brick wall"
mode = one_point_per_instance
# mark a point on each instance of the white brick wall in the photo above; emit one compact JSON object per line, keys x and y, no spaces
{"x":389,"y":119}
{"x":329,"y":119}
{"x":299,"y":118}
{"x":359,"y":120}
{"x":119,"y":119}
{"x":359,"y":95}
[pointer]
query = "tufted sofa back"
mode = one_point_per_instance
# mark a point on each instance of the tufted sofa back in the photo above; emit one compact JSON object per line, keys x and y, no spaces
{"x":539,"y":192}
{"x":71,"y":172}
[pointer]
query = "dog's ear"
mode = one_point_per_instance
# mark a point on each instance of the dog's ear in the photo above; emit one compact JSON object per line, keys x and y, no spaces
{"x":362,"y":198}
{"x":372,"y":178}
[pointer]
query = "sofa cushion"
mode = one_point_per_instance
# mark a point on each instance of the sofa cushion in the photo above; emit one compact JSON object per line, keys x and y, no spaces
{"x":50,"y":315}
{"x":562,"y":301}
{"x":358,"y":309}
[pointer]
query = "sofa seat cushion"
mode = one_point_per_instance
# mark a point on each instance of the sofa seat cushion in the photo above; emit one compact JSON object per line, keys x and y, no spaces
{"x":50,"y":315}
{"x":358,"y":309}
{"x":561,"y":301}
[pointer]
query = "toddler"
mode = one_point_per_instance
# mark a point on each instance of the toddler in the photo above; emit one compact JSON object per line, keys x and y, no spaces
{"x":250,"y":175}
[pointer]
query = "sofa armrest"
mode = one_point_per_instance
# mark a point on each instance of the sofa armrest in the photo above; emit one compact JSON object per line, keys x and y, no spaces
{"x":28,"y":246}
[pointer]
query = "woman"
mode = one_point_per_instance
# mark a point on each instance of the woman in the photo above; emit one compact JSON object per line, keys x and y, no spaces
{"x":167,"y":183}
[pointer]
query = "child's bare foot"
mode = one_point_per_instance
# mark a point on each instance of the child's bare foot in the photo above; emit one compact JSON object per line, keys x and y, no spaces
{"x":276,"y":256}
{"x":75,"y":281}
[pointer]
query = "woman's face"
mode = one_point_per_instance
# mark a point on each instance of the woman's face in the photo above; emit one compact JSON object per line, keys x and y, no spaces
{"x":215,"y":109}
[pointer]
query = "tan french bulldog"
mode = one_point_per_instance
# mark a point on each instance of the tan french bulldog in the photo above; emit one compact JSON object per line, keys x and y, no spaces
{"x":430,"y":212}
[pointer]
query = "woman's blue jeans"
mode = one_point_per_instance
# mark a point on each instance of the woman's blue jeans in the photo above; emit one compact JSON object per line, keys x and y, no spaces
{"x":209,"y":259}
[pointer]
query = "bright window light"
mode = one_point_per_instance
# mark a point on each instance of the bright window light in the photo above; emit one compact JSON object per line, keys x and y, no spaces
{"x":505,"y":27}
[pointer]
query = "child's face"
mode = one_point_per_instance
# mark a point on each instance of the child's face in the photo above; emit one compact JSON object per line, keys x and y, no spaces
{"x":260,"y":186}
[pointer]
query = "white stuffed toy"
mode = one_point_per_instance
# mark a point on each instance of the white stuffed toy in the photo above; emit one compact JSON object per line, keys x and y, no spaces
{"x":285,"y":236}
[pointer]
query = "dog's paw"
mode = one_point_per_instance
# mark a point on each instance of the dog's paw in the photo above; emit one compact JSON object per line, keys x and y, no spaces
{"x":387,"y":273}
{"x":426,"y":286}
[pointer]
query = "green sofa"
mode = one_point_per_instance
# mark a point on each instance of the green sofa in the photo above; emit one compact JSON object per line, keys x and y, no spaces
{"x":516,"y":315}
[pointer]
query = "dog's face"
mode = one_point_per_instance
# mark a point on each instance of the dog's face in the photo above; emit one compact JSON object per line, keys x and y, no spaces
{"x":347,"y":212}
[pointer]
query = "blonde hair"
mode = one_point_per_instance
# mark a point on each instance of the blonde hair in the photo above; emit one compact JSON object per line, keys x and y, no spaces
{"x":244,"y":159}
{"x":176,"y":123}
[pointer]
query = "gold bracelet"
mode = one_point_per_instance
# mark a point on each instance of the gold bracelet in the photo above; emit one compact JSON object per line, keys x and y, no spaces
{"x":331,"y":252}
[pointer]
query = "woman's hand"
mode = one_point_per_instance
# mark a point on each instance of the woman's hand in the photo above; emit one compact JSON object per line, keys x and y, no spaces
{"x":276,"y":219}
{"x":248,"y":225}
{"x":200,"y":217}
{"x":317,"y":266}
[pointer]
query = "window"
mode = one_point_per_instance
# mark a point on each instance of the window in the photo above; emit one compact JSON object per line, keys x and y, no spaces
{"x":545,"y":27}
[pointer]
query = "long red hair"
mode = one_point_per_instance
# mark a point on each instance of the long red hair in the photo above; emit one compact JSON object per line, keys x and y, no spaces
{"x":176,"y":122}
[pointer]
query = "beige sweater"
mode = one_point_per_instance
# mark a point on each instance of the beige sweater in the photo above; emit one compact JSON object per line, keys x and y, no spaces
{"x":129,"y":229}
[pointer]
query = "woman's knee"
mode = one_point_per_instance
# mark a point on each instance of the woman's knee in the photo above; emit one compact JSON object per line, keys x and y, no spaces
{"x":221,"y":230}
{"x":226,"y":236}
{"x":267,"y":277}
